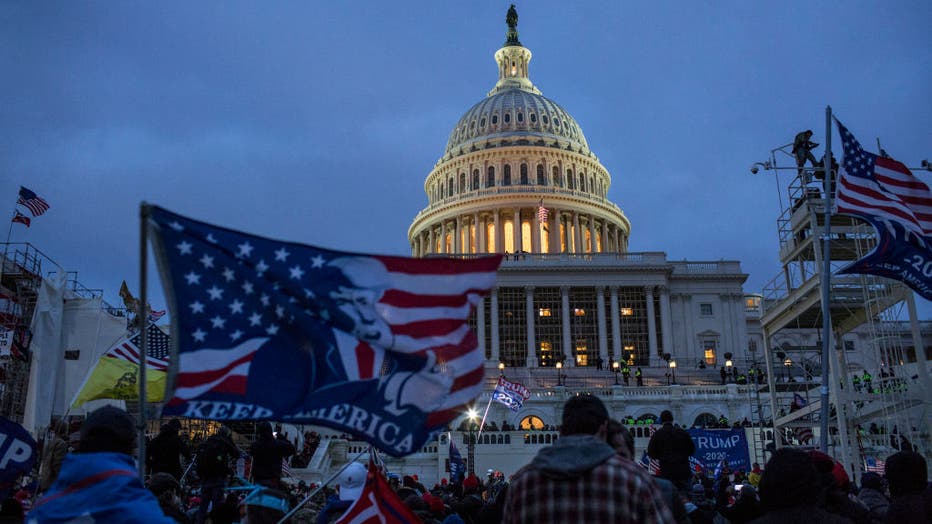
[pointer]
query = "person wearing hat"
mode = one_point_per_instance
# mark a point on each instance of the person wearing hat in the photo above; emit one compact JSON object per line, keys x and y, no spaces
{"x":268,"y":451}
{"x":350,"y":483}
{"x":100,"y":483}
{"x":165,"y":451}
{"x":871,"y":495}
{"x":802,"y":150}
{"x":910,"y":494}
{"x":213,"y":468}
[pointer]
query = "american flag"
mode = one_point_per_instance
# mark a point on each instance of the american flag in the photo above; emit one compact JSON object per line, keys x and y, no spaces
{"x":882,"y":188}
{"x":378,"y":502}
{"x":804,"y":435}
{"x":874,"y":464}
{"x":270,"y":322}
{"x":542,"y":212}
{"x":36,"y":204}
{"x":650,"y":464}
{"x":158,"y":349}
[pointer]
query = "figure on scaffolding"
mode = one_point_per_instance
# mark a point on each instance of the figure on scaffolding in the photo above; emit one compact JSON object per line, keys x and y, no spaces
{"x":802,"y":150}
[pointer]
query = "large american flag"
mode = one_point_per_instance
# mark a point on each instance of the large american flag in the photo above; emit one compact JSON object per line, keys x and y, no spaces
{"x":253,"y":313}
{"x":877,"y":187}
{"x":36,"y":204}
{"x":158,"y":349}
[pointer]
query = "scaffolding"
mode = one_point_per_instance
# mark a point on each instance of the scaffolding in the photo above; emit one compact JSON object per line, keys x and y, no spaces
{"x":22,"y":267}
{"x":791,"y":303}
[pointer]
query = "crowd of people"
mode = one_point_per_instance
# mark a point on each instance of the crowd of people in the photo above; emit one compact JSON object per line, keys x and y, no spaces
{"x":589,"y":474}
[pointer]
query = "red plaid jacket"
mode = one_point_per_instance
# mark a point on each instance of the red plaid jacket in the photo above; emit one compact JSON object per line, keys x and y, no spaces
{"x":617,"y":491}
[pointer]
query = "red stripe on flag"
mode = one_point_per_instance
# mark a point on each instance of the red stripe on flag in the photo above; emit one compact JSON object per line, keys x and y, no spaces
{"x":234,"y":385}
{"x":397,"y":298}
{"x":428,"y":328}
{"x":193,"y":379}
{"x":469,"y":379}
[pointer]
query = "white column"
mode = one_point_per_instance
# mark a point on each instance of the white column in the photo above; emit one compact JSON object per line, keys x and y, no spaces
{"x":593,"y":245}
{"x":443,"y":237}
{"x":519,"y":233}
{"x":577,"y":234}
{"x":565,"y":318}
{"x":689,"y":327}
{"x":499,"y":237}
{"x":651,"y":324}
{"x":616,"y":324}
{"x":554,"y":220}
{"x":475,"y":222}
{"x":481,"y":234}
{"x":724,"y":325}
{"x":457,"y":235}
{"x":433,"y":241}
{"x":480,"y":325}
{"x":603,"y":329}
{"x":531,"y":338}
{"x":666,"y":321}
{"x":494,"y":314}
{"x":617,"y":240}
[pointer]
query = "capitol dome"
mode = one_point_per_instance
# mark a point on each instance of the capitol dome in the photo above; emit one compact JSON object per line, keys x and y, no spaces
{"x":517,"y":176}
{"x":518,"y":116}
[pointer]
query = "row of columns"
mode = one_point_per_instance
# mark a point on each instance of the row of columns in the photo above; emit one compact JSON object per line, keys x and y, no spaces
{"x":602,"y":325}
{"x":601,"y":231}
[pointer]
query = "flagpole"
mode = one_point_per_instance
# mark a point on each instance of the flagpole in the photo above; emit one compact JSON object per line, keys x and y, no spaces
{"x":324,"y":483}
{"x":143,"y":335}
{"x":482,"y":424}
{"x":826,"y":277}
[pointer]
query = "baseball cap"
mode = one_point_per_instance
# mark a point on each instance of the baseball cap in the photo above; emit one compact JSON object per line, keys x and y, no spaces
{"x":351,"y":481}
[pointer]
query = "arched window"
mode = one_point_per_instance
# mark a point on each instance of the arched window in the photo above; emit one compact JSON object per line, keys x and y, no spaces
{"x":475,"y":179}
{"x":507,"y":117}
{"x":494,"y":119}
{"x":582,"y":182}
{"x":520,"y":117}
{"x":524,"y":180}
{"x":531,"y":422}
{"x":490,"y":177}
{"x":570,"y":183}
{"x":557,"y":180}
{"x":541,"y":179}
{"x":462,"y":182}
{"x":450,"y":187}
{"x":506,"y":177}
{"x":705,"y":420}
{"x":533,"y":118}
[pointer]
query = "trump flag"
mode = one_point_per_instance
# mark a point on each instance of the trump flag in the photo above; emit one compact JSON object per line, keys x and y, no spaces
{"x":510,"y":394}
{"x":377,"y":346}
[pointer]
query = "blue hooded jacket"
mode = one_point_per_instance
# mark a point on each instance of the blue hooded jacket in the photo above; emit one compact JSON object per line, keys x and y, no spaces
{"x":98,"y":487}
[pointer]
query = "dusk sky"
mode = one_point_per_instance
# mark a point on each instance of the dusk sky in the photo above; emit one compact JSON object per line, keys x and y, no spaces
{"x":317,"y":122}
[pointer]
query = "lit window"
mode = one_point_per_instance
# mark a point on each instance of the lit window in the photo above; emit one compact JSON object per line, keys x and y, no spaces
{"x":544,"y":312}
{"x":705,"y":309}
{"x":752,"y":303}
{"x":579,"y":312}
{"x":627,"y":311}
{"x":708,"y":347}
{"x":532,"y":423}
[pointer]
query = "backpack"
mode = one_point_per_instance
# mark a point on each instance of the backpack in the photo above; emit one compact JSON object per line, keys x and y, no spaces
{"x":212,"y":458}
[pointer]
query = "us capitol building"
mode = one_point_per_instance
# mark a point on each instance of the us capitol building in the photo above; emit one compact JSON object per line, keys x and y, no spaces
{"x":573,"y":307}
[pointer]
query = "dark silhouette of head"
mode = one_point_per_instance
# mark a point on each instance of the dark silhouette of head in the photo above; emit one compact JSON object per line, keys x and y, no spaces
{"x":583,"y":415}
{"x":789,"y":480}
{"x":666,"y":416}
{"x":264,"y":429}
{"x":906,"y":473}
{"x":108,"y":429}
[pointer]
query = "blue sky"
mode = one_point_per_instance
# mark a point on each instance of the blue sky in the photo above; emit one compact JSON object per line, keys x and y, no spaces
{"x":317,"y":122}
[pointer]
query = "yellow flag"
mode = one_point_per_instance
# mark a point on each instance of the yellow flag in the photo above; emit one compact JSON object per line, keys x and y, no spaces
{"x":116,"y":378}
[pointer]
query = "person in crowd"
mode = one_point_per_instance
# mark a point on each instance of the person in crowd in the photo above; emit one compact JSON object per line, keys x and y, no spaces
{"x":834,"y":487}
{"x":699,"y":508}
{"x":910,"y":494}
{"x":268,"y":451}
{"x":100,"y":483}
{"x":791,"y":491}
{"x":213,"y":468}
{"x":163,"y":455}
{"x":53,"y":454}
{"x":470,"y":504}
{"x":672,"y":446}
{"x":168,"y":492}
{"x":639,"y":377}
{"x":872,"y":495}
{"x":623,"y":441}
{"x":350,"y":484}
{"x":746,"y":507}
{"x":582,"y":479}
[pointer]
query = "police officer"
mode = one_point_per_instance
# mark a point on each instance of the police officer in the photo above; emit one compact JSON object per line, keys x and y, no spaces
{"x":638,"y":376}
{"x":626,"y":374}
{"x":866,"y":379}
{"x":856,"y":381}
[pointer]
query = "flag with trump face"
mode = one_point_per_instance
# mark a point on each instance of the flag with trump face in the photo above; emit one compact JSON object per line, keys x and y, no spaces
{"x":884,"y":192}
{"x":377,"y":346}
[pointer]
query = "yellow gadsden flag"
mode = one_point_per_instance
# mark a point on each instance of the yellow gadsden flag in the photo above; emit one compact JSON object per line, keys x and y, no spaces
{"x":116,"y":375}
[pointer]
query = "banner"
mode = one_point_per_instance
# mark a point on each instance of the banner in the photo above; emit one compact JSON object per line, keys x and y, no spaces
{"x":510,"y":394}
{"x":6,"y":341}
{"x":17,"y":454}
{"x":715,"y":445}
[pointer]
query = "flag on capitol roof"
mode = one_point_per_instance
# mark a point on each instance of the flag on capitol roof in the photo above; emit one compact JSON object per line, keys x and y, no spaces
{"x":377,"y":346}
